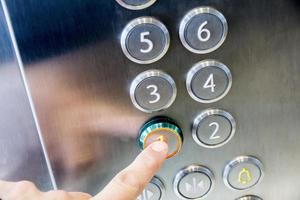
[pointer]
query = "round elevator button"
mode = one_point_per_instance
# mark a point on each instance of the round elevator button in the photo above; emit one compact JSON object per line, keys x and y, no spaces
{"x":249,"y":198}
{"x":213,"y":128}
{"x":153,"y":90}
{"x":203,"y":30}
{"x":208,"y":81}
{"x":136,"y":4}
{"x":243,"y":173}
{"x":161,"y":129}
{"x":145,"y":40}
{"x":193,"y":182}
{"x":154,"y":191}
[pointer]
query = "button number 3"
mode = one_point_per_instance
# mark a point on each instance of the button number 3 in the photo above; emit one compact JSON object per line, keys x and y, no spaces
{"x":154,"y":93}
{"x":147,"y":41}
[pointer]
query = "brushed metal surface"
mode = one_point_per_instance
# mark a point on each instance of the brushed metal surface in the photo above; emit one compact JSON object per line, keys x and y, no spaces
{"x":21,"y":153}
{"x":80,"y":80}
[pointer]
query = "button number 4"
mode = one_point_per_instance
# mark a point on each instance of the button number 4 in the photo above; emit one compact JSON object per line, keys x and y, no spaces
{"x":210,"y":83}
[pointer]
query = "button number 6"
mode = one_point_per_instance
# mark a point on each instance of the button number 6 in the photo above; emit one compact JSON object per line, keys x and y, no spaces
{"x":203,"y":30}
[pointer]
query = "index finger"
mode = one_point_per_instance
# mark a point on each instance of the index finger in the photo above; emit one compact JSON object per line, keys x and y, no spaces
{"x":130,"y":182}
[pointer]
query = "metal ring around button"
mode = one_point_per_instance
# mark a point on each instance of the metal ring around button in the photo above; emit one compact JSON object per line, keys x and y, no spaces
{"x":136,"y":22}
{"x":193,"y":13}
{"x":152,"y":73}
{"x":200,"y":65}
{"x":210,"y":112}
{"x":139,"y":7}
{"x":158,"y":182}
{"x":250,"y":197}
{"x":192,"y":169}
{"x":239,"y":160}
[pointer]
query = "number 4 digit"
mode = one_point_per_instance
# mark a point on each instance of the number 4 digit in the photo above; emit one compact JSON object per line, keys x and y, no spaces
{"x":210,"y":83}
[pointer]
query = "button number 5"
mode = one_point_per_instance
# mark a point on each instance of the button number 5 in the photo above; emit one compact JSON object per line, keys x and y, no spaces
{"x":147,"y":41}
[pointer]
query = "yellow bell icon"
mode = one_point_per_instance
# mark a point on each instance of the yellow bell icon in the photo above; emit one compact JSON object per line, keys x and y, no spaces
{"x":245,"y":176}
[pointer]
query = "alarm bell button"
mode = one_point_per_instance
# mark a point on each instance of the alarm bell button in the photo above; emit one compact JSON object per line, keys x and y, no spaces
{"x":161,"y":129}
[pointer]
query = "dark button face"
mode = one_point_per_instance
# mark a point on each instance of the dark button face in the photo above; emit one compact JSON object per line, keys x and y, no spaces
{"x":153,"y":90}
{"x":194,"y":185}
{"x":193,"y":182}
{"x":208,"y":81}
{"x":153,"y":191}
{"x":203,"y":30}
{"x":145,"y":40}
{"x":243,"y":173}
{"x":249,"y":198}
{"x":213,"y":128}
{"x":136,"y":4}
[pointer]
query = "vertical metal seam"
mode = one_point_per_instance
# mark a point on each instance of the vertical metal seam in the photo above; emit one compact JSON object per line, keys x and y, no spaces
{"x":21,"y":67}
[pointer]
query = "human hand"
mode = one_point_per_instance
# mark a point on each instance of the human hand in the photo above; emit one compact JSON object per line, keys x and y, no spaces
{"x":126,"y":185}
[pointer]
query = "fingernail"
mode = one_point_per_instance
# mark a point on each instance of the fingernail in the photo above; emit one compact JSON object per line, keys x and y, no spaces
{"x":159,"y":147}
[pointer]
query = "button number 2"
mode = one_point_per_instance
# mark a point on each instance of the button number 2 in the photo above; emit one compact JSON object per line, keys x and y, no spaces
{"x":147,"y":41}
{"x":154,"y":93}
{"x":214,"y":135}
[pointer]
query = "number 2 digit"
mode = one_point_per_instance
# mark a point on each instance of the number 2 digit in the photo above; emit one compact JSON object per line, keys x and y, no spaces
{"x":214,"y":135}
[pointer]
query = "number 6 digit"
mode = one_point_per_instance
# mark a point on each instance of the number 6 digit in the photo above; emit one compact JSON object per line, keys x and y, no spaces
{"x":202,"y":30}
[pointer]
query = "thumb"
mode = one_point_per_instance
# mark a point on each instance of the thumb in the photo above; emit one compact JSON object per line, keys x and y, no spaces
{"x":130,"y":182}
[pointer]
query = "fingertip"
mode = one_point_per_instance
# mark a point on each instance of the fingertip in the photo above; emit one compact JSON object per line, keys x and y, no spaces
{"x":159,"y":147}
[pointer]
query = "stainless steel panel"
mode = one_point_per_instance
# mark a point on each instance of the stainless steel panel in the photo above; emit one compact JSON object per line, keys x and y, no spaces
{"x":21,"y":152}
{"x":80,"y":81}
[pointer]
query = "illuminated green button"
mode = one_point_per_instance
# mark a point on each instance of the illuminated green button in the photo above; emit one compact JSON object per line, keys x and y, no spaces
{"x":161,"y":129}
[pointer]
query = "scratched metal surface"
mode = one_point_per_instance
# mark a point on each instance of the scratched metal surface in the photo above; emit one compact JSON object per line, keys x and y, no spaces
{"x":80,"y":79}
{"x":21,"y":153}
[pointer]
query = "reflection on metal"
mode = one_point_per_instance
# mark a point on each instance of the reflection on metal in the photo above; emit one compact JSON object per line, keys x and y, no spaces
{"x":80,"y":85}
{"x":15,"y":94}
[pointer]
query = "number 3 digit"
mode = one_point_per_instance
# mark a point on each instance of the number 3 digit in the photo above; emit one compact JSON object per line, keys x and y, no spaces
{"x":154,"y":93}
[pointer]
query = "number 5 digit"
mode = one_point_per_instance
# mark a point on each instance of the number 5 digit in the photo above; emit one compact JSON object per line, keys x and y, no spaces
{"x":147,"y":41}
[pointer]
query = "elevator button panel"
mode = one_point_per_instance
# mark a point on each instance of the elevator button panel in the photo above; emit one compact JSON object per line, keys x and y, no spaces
{"x":213,"y":128}
{"x":249,"y":198}
{"x":208,"y":81}
{"x":161,"y":129}
{"x":193,"y":182}
{"x":243,"y":173}
{"x":153,"y":90}
{"x":136,"y":4}
{"x":203,"y":30}
{"x":145,"y":40}
{"x":154,"y":191}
